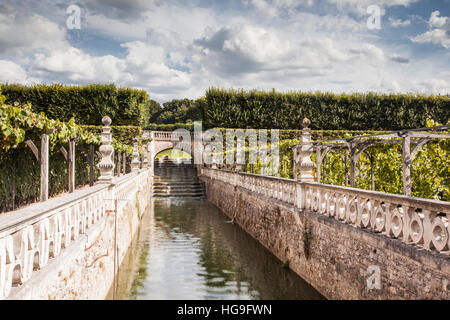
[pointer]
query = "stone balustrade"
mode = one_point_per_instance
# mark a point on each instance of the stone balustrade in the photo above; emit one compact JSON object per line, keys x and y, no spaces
{"x":273,"y":187}
{"x":31,"y":237}
{"x":166,"y":135}
{"x":416,"y":221}
{"x":162,"y":135}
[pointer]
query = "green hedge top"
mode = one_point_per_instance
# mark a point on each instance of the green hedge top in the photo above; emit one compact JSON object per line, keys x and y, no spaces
{"x":87,"y":104}
{"x":327,"y":111}
{"x":123,"y":134}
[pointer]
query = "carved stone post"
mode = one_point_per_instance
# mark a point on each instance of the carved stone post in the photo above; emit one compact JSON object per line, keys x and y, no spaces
{"x":145,"y":160}
{"x":306,"y":165}
{"x":148,"y":149}
{"x":106,"y":165}
{"x":135,"y":163}
{"x":151,"y":150}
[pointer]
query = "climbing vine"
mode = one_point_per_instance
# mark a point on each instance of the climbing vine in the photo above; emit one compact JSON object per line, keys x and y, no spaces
{"x":379,"y":167}
{"x":19,"y":170}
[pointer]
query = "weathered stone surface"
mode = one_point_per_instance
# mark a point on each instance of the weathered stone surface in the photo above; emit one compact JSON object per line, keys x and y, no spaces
{"x":71,"y":255}
{"x":333,"y":256}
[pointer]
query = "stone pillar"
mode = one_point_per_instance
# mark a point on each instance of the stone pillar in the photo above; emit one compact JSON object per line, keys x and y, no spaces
{"x":148,"y":150}
{"x":106,"y":165}
{"x":151,"y":157}
{"x":145,"y":158}
{"x":135,"y":163}
{"x":306,"y":165}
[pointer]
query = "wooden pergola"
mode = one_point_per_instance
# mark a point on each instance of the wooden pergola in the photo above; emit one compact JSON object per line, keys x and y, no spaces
{"x":412,"y":141}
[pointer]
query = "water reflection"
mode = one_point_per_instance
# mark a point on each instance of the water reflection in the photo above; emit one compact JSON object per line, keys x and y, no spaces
{"x":187,"y":249}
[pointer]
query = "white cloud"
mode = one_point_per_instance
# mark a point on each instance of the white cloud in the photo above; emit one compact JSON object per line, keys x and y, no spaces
{"x":14,"y":73}
{"x":439,"y":32}
{"x":399,"y":23}
{"x":20,"y":34}
{"x":436,"y":21}
{"x":174,"y":51}
{"x":360,"y":6}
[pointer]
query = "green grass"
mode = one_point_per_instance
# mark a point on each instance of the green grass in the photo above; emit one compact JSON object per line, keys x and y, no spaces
{"x":173,"y":154}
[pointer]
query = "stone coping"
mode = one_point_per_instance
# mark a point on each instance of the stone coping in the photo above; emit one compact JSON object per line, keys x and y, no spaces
{"x":13,"y":221}
{"x":427,"y":204}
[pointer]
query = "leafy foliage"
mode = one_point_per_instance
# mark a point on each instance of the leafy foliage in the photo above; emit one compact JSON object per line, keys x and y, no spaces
{"x":327,"y":111}
{"x":170,"y":126}
{"x":177,"y":111}
{"x":19,"y":170}
{"x":87,"y":104}
{"x":430,"y":169}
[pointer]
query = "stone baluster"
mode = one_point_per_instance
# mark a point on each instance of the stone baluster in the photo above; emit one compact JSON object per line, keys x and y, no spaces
{"x":106,"y":165}
{"x":306,"y":165}
{"x":145,"y":158}
{"x":135,"y":163}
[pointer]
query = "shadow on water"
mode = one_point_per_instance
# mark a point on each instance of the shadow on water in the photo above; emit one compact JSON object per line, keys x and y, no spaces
{"x":187,"y":249}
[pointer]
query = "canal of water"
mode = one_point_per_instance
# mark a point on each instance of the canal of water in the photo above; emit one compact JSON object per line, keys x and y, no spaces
{"x":187,"y":249}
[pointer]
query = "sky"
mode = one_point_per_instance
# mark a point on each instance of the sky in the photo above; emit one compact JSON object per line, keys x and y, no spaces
{"x":178,"y":49}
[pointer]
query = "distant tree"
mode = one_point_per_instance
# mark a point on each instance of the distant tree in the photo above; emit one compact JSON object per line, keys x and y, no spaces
{"x":155,"y":110}
{"x":175,"y":111}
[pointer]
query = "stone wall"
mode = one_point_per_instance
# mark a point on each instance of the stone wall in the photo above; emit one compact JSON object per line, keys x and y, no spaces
{"x":64,"y":248}
{"x":334,"y":257}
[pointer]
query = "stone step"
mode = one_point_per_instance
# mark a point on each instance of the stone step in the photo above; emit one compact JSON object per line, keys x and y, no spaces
{"x":173,"y":165}
{"x":169,"y":190}
{"x":200,"y":196}
{"x":178,"y":185}
{"x":176,"y":182}
{"x":175,"y":192}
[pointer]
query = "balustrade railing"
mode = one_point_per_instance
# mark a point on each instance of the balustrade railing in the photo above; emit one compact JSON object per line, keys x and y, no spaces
{"x":415,"y":221}
{"x":166,"y":135}
{"x":31,"y":237}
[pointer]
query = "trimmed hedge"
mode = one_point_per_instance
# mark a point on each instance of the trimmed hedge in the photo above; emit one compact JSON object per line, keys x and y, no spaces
{"x":87,"y":104}
{"x":327,"y":111}
{"x":316,"y":135}
{"x":169,"y":127}
{"x":123,"y":134}
{"x":20,"y":174}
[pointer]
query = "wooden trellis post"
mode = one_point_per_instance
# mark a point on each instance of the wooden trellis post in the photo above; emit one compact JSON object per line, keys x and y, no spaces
{"x":119,"y":159}
{"x":294,"y":164}
{"x":318,"y":163}
{"x":91,"y":164}
{"x":71,"y":161}
{"x":44,"y":166}
{"x":124,"y":163}
{"x":352,"y":150}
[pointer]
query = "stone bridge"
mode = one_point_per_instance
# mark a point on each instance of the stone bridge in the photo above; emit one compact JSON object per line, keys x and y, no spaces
{"x":165,"y":140}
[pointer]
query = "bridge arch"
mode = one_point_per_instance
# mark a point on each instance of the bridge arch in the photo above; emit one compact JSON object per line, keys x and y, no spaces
{"x":180,"y":154}
{"x":166,"y":140}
